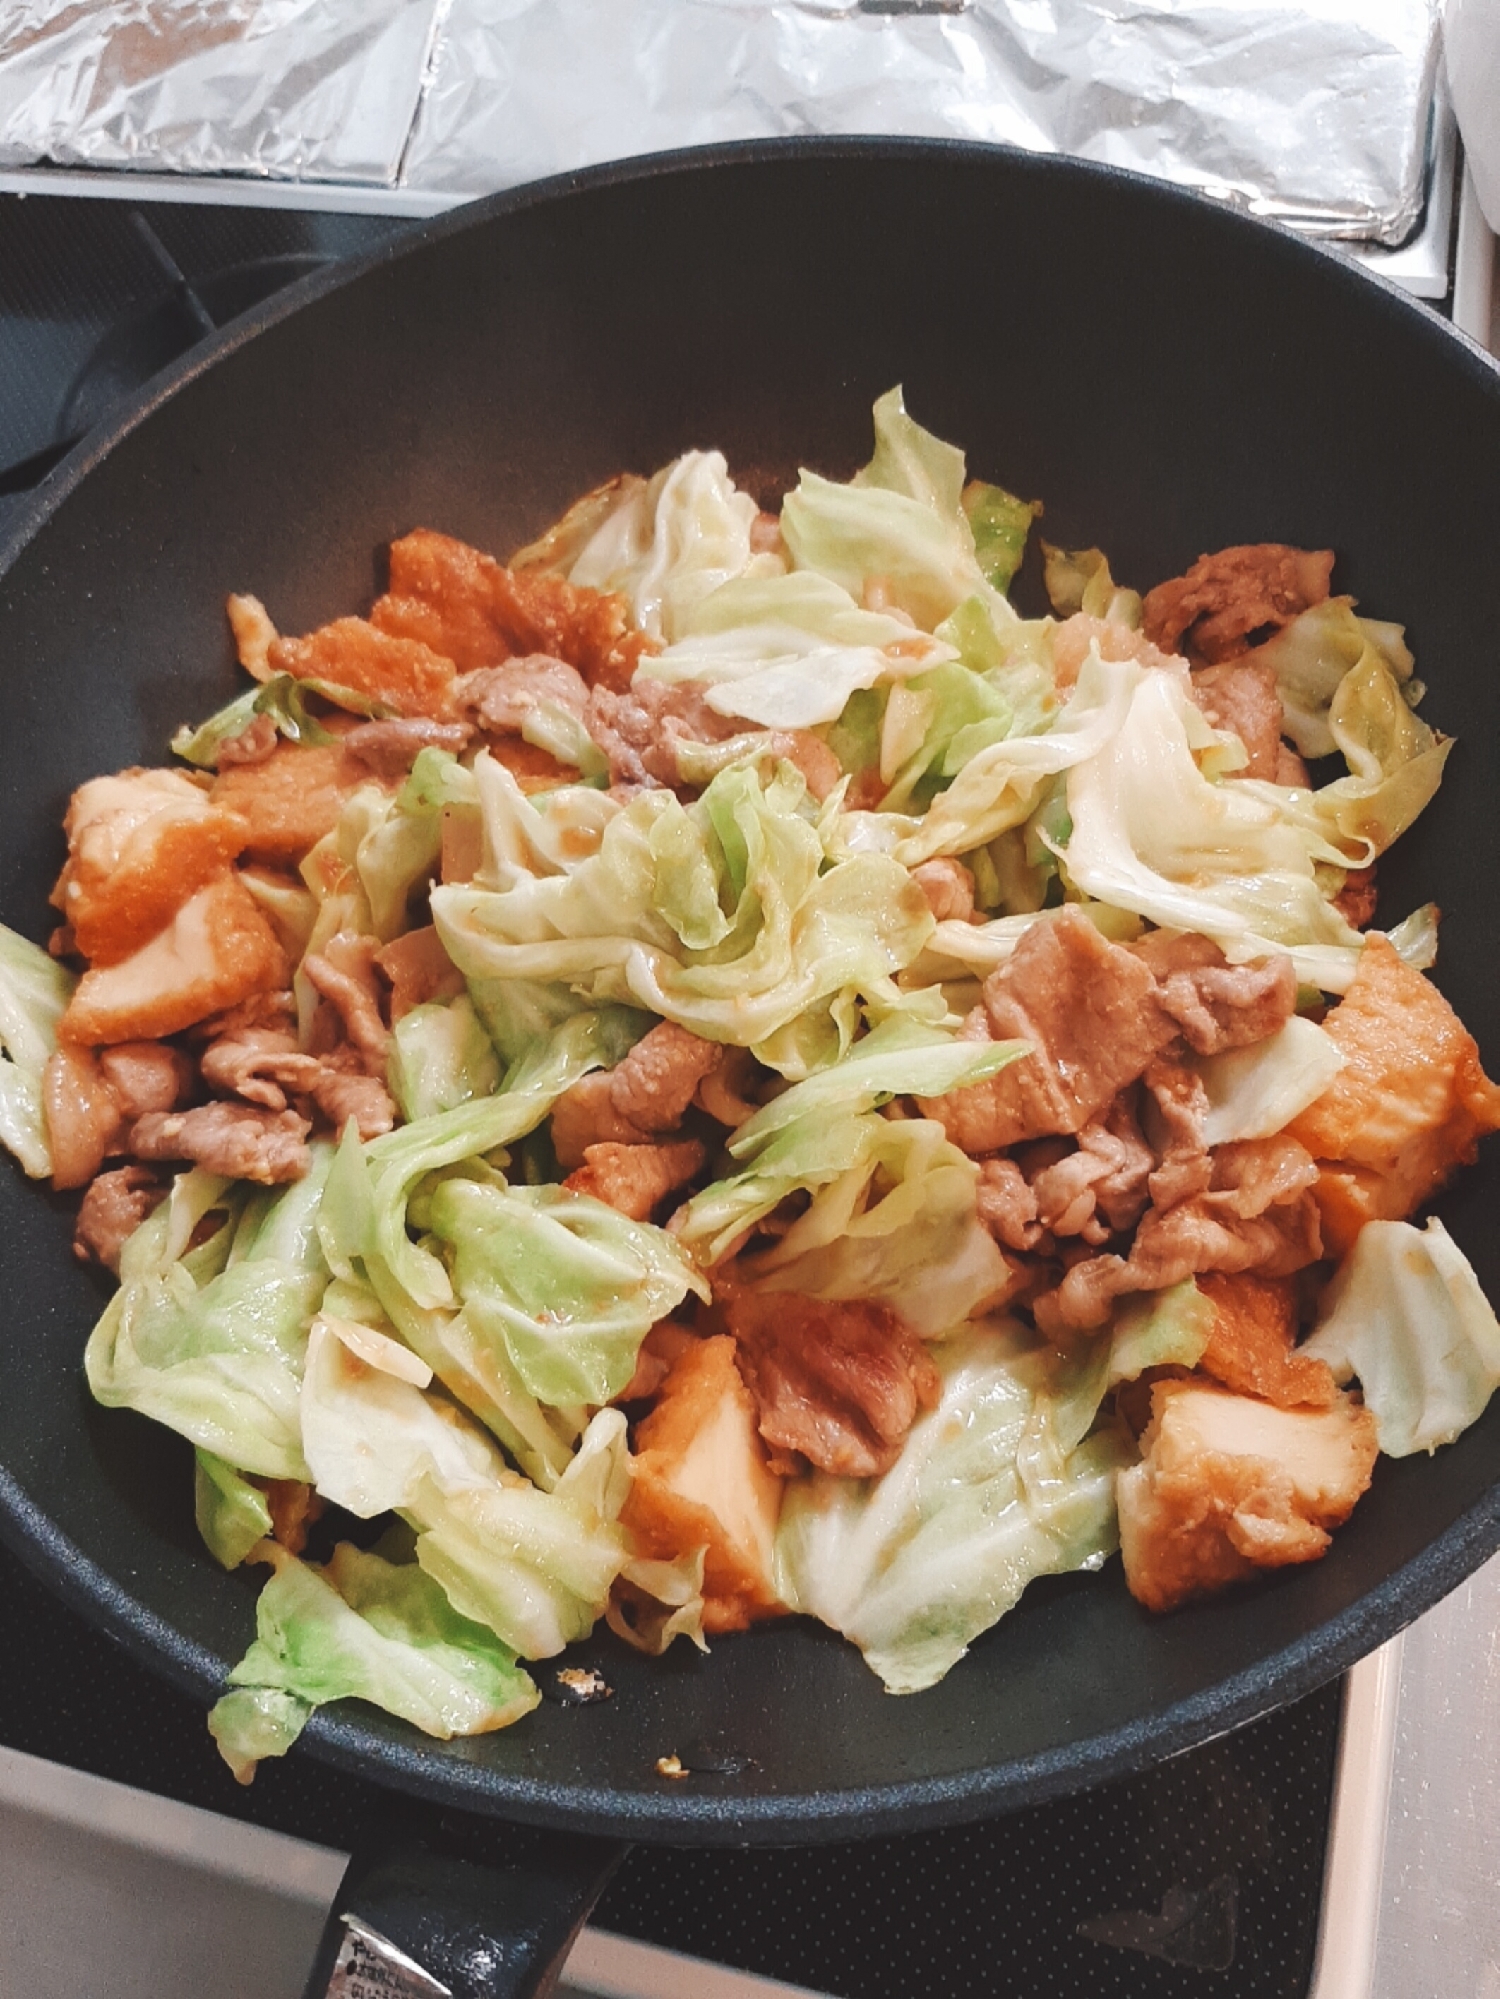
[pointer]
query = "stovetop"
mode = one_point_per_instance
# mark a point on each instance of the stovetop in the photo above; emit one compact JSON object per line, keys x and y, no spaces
{"x":1202,"y":1877}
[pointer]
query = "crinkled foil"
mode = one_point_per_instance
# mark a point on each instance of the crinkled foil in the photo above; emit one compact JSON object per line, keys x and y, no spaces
{"x":1312,"y":111}
{"x":295,"y":89}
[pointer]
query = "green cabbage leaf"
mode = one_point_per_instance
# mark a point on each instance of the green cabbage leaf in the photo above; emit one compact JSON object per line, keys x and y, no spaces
{"x":364,"y":1629}
{"x":728,"y":915}
{"x":566,"y":1285}
{"x":34,"y":991}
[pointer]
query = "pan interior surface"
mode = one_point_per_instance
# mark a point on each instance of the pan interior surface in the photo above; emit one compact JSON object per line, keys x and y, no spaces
{"x":1168,"y":379}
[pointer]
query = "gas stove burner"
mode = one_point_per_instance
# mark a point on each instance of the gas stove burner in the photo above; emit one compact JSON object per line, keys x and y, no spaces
{"x":97,"y":303}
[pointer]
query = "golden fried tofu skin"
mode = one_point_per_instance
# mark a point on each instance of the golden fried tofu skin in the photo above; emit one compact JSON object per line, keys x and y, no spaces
{"x":701,"y":1479}
{"x":1228,"y":1484}
{"x":139,"y":845}
{"x":1408,"y":1107}
{"x":290,"y":800}
{"x":216,"y":951}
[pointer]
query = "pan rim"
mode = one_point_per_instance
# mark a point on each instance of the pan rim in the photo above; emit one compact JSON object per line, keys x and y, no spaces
{"x":678,"y":1815}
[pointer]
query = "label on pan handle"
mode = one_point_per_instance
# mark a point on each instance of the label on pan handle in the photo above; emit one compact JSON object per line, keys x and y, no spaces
{"x":369,"y":1966}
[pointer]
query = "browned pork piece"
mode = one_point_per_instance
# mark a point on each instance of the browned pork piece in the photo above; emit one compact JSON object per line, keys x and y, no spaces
{"x":113,"y":1208}
{"x":839,"y":1383}
{"x":700,"y":1479}
{"x":1090,"y":1011}
{"x":636,"y":1179}
{"x":641,"y":730}
{"x":1215,"y":609}
{"x":237,"y":1140}
{"x":501,"y":697}
{"x":1228,"y":1484}
{"x":948,"y":887}
{"x":647,"y":1093}
{"x":1242,"y":696}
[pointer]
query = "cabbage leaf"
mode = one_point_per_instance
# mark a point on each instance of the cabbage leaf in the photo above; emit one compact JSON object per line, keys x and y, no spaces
{"x":1406,"y":1315}
{"x":728,"y":915}
{"x":673,"y":542}
{"x":34,"y":991}
{"x":535,"y":1567}
{"x":788,"y":651}
{"x":566,"y":1285}
{"x":900,"y":522}
{"x":364,"y":1629}
{"x":984,"y":1496}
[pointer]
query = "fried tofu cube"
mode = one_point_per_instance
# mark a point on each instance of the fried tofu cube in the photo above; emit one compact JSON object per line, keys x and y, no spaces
{"x":217,"y":950}
{"x":1408,"y":1107}
{"x":1228,"y":1484}
{"x":288,"y":802}
{"x":701,"y":1479}
{"x":1253,"y":1346}
{"x":402,"y":672}
{"x":139,"y":845}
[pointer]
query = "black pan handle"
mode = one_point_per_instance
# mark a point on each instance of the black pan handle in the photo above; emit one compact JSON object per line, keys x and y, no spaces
{"x":417,"y":1916}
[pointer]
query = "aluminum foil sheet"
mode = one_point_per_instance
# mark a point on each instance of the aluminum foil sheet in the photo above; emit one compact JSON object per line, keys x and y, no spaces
{"x":1312,"y":111}
{"x":298,"y":89}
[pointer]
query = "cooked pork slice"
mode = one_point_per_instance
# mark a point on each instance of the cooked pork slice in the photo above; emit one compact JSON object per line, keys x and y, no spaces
{"x":1089,"y":1010}
{"x":139,"y":846}
{"x":1242,"y":697}
{"x":342,"y":1094}
{"x":1227,"y":1484}
{"x":146,"y":1076}
{"x":236,"y":1140}
{"x":1225,"y":600}
{"x":253,"y":745}
{"x":948,"y":887}
{"x":1218,"y":1005}
{"x":1007,"y":1205}
{"x":82,"y":1113}
{"x":657,"y":1080}
{"x":648,"y":1092}
{"x":636,"y":1179}
{"x":838,"y":1382}
{"x":259,"y":1064}
{"x":700,"y":1479}
{"x":344,"y":973}
{"x":501,"y":697}
{"x":1260,"y":1215}
{"x":639,"y":730}
{"x":1072,"y":638}
{"x":113,"y":1208}
{"x":1177,"y":1111}
{"x":390,"y":749}
{"x":217,"y":950}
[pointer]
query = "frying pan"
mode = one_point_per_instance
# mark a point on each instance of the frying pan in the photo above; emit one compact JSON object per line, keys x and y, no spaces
{"x":1169,"y":378}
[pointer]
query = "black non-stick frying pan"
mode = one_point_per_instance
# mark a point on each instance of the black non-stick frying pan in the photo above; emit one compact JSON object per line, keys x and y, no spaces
{"x":1169,"y":378}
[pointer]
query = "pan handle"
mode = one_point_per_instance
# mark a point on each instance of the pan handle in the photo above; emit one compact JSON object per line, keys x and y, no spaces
{"x":416,"y":1917}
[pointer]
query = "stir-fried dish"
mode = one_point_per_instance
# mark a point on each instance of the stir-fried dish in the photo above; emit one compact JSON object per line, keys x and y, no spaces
{"x":718,"y":1071}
